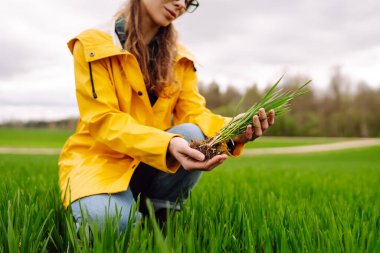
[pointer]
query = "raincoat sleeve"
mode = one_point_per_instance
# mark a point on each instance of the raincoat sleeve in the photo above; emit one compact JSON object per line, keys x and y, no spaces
{"x":191,"y":107}
{"x":108,"y":124}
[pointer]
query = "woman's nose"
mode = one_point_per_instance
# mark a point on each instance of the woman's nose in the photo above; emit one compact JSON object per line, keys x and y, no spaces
{"x":180,"y":4}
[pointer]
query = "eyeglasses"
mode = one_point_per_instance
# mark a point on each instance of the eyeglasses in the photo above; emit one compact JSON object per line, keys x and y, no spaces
{"x":191,"y":5}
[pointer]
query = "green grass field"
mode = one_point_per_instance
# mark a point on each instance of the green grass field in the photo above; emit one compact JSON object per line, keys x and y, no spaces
{"x":13,"y":137}
{"x":56,"y":138}
{"x":325,"y":202}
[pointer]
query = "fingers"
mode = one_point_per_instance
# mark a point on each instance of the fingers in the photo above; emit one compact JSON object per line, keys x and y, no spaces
{"x":215,"y":161}
{"x":263,"y":120}
{"x":271,"y":115}
{"x":180,"y":147}
{"x":192,"y":159}
{"x":249,"y":133}
{"x":261,"y":123}
{"x":193,"y":153}
{"x":204,"y":166}
{"x":257,"y":127}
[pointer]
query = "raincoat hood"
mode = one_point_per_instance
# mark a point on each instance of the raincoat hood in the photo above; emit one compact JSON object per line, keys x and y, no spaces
{"x":108,"y":44}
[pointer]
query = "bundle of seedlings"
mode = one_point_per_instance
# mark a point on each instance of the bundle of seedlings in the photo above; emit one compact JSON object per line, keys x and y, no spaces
{"x":275,"y":99}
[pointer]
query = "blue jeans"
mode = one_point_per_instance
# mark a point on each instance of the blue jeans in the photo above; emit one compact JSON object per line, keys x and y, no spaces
{"x":162,"y":189}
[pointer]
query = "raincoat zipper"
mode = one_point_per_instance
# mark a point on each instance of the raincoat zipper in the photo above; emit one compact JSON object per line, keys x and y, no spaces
{"x":92,"y":82}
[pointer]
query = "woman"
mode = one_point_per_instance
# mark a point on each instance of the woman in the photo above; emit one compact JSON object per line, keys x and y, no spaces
{"x":139,"y":107}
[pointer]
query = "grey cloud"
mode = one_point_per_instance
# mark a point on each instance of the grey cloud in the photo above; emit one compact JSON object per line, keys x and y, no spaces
{"x":13,"y":55}
{"x":36,"y":37}
{"x":278,"y":32}
{"x":267,"y":32}
{"x":20,"y":57}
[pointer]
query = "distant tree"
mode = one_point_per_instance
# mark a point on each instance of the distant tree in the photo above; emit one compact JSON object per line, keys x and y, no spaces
{"x":231,"y":95}
{"x":213,"y":95}
{"x":366,"y":104}
{"x":304,"y":109}
{"x":202,"y":88}
{"x":339,"y":86}
{"x":336,"y":105}
{"x":250,"y":96}
{"x":229,"y":102}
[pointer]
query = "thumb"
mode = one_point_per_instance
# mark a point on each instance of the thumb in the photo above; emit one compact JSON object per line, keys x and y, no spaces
{"x":193,"y":153}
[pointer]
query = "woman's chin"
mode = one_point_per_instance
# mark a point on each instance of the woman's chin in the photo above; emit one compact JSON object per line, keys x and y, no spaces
{"x":164,"y":23}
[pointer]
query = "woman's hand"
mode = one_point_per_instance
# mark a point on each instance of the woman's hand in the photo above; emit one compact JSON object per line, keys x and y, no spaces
{"x":192,"y":159}
{"x":260,"y":124}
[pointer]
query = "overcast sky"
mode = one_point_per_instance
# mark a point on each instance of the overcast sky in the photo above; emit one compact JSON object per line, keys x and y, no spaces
{"x":236,"y":42}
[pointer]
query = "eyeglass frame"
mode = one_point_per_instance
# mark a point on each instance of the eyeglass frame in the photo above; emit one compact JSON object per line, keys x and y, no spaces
{"x":193,"y":3}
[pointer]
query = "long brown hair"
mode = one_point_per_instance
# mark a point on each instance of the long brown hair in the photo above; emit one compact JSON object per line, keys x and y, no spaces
{"x":156,"y":59}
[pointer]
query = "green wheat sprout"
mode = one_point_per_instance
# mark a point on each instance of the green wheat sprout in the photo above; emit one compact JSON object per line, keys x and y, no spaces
{"x":273,"y":99}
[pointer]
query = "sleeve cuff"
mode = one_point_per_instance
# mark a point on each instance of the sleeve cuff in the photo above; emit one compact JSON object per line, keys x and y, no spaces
{"x":234,"y":150}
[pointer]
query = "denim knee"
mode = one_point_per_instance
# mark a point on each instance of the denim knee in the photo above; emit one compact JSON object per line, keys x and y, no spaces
{"x":103,"y":206}
{"x":189,"y":131}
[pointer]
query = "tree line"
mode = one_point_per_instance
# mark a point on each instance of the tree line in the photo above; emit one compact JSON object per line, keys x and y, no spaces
{"x":345,"y":109}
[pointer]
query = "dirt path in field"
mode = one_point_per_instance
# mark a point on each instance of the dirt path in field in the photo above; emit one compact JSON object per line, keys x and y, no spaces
{"x":30,"y":151}
{"x":367,"y":142}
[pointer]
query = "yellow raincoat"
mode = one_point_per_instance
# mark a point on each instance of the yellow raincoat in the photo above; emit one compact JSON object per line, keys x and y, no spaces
{"x":118,"y":128}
